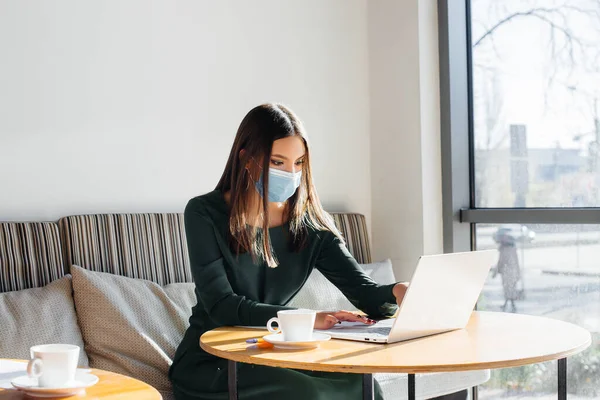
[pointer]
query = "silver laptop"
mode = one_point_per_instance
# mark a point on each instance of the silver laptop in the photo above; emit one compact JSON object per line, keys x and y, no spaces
{"x":440,"y":298}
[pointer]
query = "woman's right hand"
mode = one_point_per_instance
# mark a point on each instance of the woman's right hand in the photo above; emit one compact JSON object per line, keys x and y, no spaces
{"x":328,"y":319}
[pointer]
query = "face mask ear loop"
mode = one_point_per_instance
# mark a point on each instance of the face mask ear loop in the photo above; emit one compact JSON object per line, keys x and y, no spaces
{"x":250,"y":173}
{"x":256,"y":162}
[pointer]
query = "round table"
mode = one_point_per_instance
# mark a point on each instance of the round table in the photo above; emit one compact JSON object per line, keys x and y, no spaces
{"x":490,"y":340}
{"x":110,"y":386}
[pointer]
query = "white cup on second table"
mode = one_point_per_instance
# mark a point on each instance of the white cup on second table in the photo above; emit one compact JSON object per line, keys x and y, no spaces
{"x":53,"y":364}
{"x":295,"y":325}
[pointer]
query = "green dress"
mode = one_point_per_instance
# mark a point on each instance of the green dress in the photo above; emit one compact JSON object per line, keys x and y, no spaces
{"x":233,"y":290}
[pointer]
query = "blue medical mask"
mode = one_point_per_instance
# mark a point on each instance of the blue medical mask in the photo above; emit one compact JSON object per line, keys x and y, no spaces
{"x":282,"y":184}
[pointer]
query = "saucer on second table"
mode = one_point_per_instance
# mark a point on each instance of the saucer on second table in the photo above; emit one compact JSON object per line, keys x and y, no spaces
{"x":30,"y":386}
{"x":277,"y":341}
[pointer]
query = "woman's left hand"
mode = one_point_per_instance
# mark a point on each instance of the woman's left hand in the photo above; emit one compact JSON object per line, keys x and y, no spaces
{"x":399,"y":291}
{"x":327,"y":319}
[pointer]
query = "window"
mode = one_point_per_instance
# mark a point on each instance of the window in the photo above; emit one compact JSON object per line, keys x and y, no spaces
{"x":536,"y":91}
{"x":520,"y":92}
{"x":551,"y":270}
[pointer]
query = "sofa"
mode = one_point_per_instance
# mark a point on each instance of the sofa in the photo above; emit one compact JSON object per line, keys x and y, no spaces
{"x":120,"y":287}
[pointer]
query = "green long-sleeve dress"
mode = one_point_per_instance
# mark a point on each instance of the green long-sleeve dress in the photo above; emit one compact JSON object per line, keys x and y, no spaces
{"x":232,"y":290}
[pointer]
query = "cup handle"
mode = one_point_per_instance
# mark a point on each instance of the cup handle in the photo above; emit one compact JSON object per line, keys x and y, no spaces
{"x":270,"y":327}
{"x":34,"y":368}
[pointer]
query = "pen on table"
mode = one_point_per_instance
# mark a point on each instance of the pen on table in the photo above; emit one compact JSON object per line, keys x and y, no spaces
{"x":256,"y":340}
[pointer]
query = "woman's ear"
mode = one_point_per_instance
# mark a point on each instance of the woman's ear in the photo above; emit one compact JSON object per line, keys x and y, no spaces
{"x":241,"y":157}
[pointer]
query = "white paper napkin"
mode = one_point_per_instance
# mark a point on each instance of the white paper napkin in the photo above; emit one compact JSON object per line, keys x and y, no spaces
{"x":10,"y":370}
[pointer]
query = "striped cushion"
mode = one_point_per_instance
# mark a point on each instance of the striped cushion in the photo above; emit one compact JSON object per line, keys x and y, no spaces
{"x":153,"y":246}
{"x":30,"y":255}
{"x":144,"y":246}
{"x":354,"y":230}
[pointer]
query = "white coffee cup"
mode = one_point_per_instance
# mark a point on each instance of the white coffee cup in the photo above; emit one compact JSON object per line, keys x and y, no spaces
{"x":53,"y":364}
{"x":295,"y":325}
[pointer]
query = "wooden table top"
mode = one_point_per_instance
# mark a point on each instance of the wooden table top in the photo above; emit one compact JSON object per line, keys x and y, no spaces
{"x":110,"y":386}
{"x":490,"y":340}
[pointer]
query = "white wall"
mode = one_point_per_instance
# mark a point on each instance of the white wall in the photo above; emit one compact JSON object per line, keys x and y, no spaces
{"x":405,"y":137}
{"x":132,"y":106}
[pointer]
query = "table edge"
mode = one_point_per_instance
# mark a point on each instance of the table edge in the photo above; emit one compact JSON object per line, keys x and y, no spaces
{"x":393,"y":369}
{"x":92,"y":369}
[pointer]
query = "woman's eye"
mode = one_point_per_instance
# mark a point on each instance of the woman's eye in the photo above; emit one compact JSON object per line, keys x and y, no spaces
{"x":277,"y":163}
{"x":299,"y":162}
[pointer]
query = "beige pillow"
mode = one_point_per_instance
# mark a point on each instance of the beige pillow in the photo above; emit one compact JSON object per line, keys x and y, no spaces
{"x":131,"y":326}
{"x":39,"y":316}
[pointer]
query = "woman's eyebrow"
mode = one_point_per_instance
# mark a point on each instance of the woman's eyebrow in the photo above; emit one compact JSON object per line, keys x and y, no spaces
{"x":284,"y":157}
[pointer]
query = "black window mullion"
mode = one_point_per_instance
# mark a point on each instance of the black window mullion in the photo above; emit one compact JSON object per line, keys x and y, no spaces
{"x":530,"y":215}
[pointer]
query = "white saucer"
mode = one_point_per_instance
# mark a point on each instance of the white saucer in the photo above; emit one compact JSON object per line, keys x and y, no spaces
{"x":30,"y":386}
{"x":277,"y":341}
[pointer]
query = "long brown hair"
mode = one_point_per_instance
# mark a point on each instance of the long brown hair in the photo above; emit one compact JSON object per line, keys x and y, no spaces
{"x":255,"y":136}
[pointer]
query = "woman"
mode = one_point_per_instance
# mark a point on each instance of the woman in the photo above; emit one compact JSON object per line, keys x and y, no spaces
{"x":253,"y":243}
{"x":508,"y":268}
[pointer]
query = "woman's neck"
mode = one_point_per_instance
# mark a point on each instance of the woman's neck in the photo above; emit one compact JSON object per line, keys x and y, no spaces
{"x":254,"y":213}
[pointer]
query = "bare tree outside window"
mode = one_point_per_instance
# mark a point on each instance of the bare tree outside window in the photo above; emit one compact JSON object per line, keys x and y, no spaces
{"x":537,"y":63}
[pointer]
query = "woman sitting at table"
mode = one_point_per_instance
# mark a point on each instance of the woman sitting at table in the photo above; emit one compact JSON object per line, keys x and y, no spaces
{"x":253,"y":242}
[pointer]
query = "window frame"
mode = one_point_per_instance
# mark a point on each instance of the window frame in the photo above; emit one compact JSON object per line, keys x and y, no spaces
{"x":457,"y":148}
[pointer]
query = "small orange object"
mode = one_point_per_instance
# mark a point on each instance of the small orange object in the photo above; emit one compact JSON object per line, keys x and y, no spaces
{"x":264,"y":345}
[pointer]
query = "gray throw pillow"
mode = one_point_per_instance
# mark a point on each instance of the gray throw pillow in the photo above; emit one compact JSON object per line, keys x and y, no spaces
{"x":36,"y":316}
{"x":381,"y":272}
{"x":320,"y":294}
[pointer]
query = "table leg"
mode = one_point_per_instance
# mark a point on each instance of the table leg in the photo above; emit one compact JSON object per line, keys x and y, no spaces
{"x":368,"y":387}
{"x":232,"y":380}
{"x":475,"y":393}
{"x":411,"y":387}
{"x":562,"y":379}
